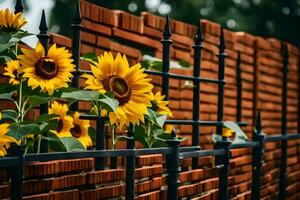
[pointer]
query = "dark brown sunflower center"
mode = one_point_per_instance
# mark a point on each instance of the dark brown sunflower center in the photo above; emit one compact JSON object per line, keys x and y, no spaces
{"x":119,"y":86}
{"x":46,"y":68}
{"x":15,"y":73}
{"x":76,"y":131}
{"x":60,"y":125}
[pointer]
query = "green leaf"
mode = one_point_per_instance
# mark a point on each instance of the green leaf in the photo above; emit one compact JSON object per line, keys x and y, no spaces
{"x":7,"y":88}
{"x":5,"y":37}
{"x":216,"y":138}
{"x":184,"y":64}
{"x":21,"y":34}
{"x":155,"y":118}
{"x":92,"y":133}
{"x":18,"y":131}
{"x":4,"y":59}
{"x":239,"y":133}
{"x":6,"y":96}
{"x":47,"y":126}
{"x":80,"y":95}
{"x":145,"y":64}
{"x":92,"y":56}
{"x":10,"y":115}
{"x":140,"y":136}
{"x":83,"y":95}
{"x":71,"y":144}
{"x":109,"y":104}
{"x":7,"y":45}
{"x":121,"y":138}
{"x":161,"y":120}
{"x":157,"y":65}
{"x":38,"y":100}
{"x":55,"y":143}
{"x":45,"y":117}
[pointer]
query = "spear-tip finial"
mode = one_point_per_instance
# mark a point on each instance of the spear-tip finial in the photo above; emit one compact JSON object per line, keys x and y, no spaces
{"x":198,"y":37}
{"x":19,"y":6}
{"x":222,"y":42}
{"x":43,"y":25}
{"x":258,"y":121}
{"x":167,"y":29}
{"x":285,"y":55}
{"x":77,"y":17}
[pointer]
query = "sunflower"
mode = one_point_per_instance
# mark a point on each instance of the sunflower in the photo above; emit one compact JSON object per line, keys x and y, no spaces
{"x":169,"y":128}
{"x":130,"y":85}
{"x":49,"y":72}
{"x":227,"y":132}
{"x":65,"y":122}
{"x":10,"y":21}
{"x":81,"y":130}
{"x":5,"y":140}
{"x":159,"y":105}
{"x":12,"y":70}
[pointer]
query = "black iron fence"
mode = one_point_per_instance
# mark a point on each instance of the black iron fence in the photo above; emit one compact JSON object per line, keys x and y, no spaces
{"x":173,"y":153}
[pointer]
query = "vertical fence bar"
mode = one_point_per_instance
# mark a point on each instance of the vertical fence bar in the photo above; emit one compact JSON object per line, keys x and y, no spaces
{"x":76,"y":28}
{"x":100,"y":138}
{"x":239,"y":88}
{"x":173,"y":168}
{"x":17,"y":174}
{"x":298,"y":106}
{"x":257,"y":158}
{"x":222,"y":55}
{"x":19,"y":6}
{"x":282,"y":180}
{"x":196,"y":90}
{"x":166,"y":41}
{"x":130,"y":165}
{"x":223,"y":161}
{"x":43,"y":37}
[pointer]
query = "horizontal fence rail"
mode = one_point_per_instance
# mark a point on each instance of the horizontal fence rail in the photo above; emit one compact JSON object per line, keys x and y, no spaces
{"x":173,"y":152}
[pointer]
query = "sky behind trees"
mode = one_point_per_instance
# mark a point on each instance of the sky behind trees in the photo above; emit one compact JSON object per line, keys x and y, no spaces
{"x":268,"y":18}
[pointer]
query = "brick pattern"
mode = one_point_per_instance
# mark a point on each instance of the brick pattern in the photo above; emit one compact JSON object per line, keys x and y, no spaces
{"x":261,"y":64}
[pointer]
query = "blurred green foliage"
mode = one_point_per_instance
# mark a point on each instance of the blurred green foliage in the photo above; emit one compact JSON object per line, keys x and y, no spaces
{"x":268,"y":18}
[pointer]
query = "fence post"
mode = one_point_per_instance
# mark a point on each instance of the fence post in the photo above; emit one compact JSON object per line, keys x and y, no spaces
{"x":173,"y":168}
{"x":239,"y":88}
{"x":100,"y":138}
{"x":76,"y":27}
{"x":282,"y":180}
{"x":223,"y":161}
{"x":19,"y":6}
{"x":166,"y":41}
{"x":257,"y":158}
{"x":130,"y":165}
{"x":43,"y":37}
{"x":17,"y":174}
{"x":196,"y":90}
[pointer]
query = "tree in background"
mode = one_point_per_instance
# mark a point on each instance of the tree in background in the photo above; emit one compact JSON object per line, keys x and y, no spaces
{"x":268,"y":18}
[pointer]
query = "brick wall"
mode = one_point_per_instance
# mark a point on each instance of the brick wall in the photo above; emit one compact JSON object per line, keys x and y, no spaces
{"x":261,"y":65}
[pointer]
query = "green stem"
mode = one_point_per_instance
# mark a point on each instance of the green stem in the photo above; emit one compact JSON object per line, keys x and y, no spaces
{"x":23,"y":111}
{"x":20,"y":102}
{"x":16,"y":53}
{"x":112,"y":128}
{"x":149,"y":135}
{"x":39,"y":144}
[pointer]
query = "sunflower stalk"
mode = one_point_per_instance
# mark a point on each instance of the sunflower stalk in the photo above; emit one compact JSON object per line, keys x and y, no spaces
{"x":113,"y":142}
{"x":149,"y":134}
{"x":39,"y":139}
{"x":32,"y":142}
{"x":20,"y":102}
